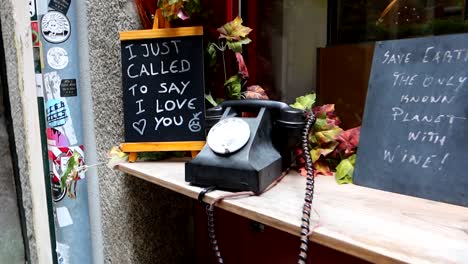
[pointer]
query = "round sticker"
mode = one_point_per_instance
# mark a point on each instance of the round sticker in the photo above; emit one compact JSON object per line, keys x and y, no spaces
{"x":228,"y":135}
{"x":57,"y":58}
{"x":57,"y":192}
{"x":55,"y":27}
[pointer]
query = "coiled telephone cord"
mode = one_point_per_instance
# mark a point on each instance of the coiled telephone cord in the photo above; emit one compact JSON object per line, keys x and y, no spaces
{"x":211,"y":233}
{"x":307,"y":200}
{"x":309,"y":193}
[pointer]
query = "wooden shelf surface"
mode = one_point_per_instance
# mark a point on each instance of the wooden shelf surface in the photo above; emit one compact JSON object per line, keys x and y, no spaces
{"x":374,"y":225}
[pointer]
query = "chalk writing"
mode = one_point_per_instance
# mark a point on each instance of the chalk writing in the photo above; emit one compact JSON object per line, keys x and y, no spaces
{"x":163,"y":89}
{"x":416,"y":120}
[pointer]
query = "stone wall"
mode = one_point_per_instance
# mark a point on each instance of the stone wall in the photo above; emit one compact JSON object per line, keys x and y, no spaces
{"x":11,"y":59}
{"x":141,"y":223}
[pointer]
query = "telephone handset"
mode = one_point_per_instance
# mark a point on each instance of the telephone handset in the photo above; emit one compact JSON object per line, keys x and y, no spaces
{"x":246,"y":153}
{"x":233,"y":132}
{"x":249,"y":153}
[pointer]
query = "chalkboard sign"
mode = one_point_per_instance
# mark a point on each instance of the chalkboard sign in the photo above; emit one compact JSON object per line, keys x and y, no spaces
{"x":414,"y":137}
{"x":163,"y":85}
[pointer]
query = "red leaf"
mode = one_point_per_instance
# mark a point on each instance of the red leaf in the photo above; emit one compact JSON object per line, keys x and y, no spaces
{"x":255,"y":92}
{"x":303,"y":171}
{"x":321,"y":168}
{"x":243,"y":71}
{"x":349,"y":140}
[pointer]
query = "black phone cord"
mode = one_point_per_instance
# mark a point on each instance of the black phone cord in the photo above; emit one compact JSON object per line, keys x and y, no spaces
{"x":309,"y":193}
{"x":211,"y":233}
{"x":307,"y":201}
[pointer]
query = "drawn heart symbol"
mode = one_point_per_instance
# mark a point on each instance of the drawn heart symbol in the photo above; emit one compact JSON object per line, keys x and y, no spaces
{"x":140,"y":126}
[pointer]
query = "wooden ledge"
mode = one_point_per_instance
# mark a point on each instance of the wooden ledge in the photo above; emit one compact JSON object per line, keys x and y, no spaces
{"x":370,"y":224}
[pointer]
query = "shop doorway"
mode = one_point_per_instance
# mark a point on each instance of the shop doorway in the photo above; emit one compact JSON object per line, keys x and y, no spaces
{"x":12,"y":247}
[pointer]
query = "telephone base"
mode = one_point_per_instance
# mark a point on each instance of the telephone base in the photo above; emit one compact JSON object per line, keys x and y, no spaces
{"x":252,"y":168}
{"x":232,"y":179}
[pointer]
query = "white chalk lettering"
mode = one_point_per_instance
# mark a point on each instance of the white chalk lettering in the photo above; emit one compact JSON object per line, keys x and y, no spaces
{"x":400,"y":115}
{"x":403,"y":79}
{"x":430,"y":137}
{"x":396,"y":58}
{"x":129,"y":47}
{"x":191,"y":102}
{"x":167,"y":49}
{"x":177,"y":104}
{"x":133,"y":89}
{"x":140,"y":110}
{"x":174,"y":88}
{"x":147,"y":50}
{"x":167,"y":121}
{"x":128,"y":72}
{"x":175,"y":45}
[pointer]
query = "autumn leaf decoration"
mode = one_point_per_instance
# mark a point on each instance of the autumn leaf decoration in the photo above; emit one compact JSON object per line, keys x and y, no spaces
{"x":70,"y":176}
{"x":233,"y":36}
{"x":179,"y":9}
{"x":332,"y":148}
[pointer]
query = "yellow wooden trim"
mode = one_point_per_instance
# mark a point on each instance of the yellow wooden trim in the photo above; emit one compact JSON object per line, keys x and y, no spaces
{"x":161,"y":33}
{"x":132,"y":156}
{"x":162,"y":146}
{"x":159,"y":20}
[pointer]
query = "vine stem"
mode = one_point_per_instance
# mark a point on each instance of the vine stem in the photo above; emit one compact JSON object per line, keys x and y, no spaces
{"x":222,"y":48}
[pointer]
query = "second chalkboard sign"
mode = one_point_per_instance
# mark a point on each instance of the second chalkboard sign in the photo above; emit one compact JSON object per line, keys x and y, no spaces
{"x":415,"y":130}
{"x":163,"y":86}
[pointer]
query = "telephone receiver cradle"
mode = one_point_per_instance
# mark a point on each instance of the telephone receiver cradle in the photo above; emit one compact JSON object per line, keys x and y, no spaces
{"x":273,"y":132}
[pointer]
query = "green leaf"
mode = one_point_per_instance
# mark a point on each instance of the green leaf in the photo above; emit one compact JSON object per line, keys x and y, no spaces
{"x":233,"y":87}
{"x":320,"y":124}
{"x":234,"y":30}
{"x":236,"y":45}
{"x":72,"y":164}
{"x":345,"y":170}
{"x":322,"y":150}
{"x":211,"y":53}
{"x":327,"y":136}
{"x":210,"y":99}
{"x":305,"y":102}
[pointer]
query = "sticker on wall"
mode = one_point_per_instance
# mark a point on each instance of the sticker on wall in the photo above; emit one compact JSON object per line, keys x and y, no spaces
{"x":63,"y":217}
{"x":59,"y":157}
{"x":57,"y":58}
{"x":63,"y":253}
{"x":57,"y":192}
{"x":52,"y":83}
{"x":68,"y":88}
{"x":39,"y":91}
{"x":32,"y":9}
{"x":57,"y":113}
{"x":55,"y":27}
{"x":55,"y":138}
{"x":60,"y":5}
{"x":35,"y":33}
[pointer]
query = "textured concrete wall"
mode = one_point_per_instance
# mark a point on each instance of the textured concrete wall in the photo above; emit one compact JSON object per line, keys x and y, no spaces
{"x":11,"y":241}
{"x":11,"y":58}
{"x":141,"y":222}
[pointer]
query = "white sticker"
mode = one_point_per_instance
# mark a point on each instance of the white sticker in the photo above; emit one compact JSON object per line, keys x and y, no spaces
{"x":39,"y":90}
{"x":63,"y":253}
{"x":52,"y":90}
{"x":32,"y":8}
{"x":57,"y":58}
{"x":55,"y":27}
{"x":63,"y":217}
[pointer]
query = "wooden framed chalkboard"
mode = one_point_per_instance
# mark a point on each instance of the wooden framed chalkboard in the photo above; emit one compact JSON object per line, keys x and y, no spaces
{"x":414,"y":137}
{"x":163,"y":89}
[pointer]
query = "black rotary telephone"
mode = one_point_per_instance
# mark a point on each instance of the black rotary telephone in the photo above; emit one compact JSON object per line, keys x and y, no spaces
{"x":246,"y":153}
